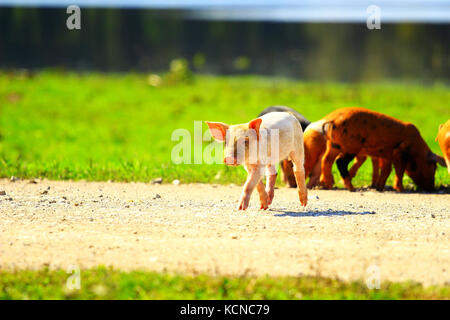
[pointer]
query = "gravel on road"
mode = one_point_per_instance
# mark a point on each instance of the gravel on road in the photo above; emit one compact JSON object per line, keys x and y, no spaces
{"x":196,"y":228}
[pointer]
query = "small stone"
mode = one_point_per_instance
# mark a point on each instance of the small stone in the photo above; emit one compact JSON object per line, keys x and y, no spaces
{"x":44,"y":192}
{"x":157,"y":196}
{"x":157,"y":181}
{"x":176,"y":182}
{"x":234,"y":236}
{"x":433,"y":216}
{"x":10,"y":199}
{"x":14,"y":179}
{"x":3,"y":193}
{"x":33,"y":181}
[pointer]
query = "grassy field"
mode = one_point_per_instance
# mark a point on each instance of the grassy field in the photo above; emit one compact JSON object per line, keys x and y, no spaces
{"x":105,"y":283}
{"x":61,"y":125}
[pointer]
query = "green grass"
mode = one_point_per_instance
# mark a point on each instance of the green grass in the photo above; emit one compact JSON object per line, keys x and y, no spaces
{"x":106,"y":283}
{"x":95,"y":126}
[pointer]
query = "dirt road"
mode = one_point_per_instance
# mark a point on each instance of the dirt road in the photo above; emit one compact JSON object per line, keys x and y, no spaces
{"x":196,"y":228}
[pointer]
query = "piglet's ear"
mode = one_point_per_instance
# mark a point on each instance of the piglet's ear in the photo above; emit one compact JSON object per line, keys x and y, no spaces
{"x":255,"y":124}
{"x":218,"y":130}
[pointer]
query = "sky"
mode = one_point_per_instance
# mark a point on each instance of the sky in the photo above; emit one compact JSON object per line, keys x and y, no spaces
{"x":431,"y":11}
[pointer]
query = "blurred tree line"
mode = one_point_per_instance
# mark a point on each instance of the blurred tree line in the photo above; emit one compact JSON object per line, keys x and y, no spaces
{"x":147,"y":40}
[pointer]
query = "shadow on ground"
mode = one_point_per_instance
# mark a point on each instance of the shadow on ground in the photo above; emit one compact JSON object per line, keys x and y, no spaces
{"x":409,"y":189}
{"x":319,"y":213}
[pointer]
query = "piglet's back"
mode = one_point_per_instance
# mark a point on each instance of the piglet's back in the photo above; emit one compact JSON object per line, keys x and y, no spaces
{"x":279,"y":120}
{"x":368,"y":127}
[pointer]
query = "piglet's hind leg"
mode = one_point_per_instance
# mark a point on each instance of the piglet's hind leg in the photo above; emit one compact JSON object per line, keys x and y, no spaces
{"x":299,"y":172}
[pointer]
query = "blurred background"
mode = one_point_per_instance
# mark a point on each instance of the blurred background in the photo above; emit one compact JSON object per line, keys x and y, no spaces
{"x":312,"y":40}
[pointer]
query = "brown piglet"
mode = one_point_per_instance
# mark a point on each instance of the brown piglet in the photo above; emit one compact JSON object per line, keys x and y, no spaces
{"x":352,"y":130}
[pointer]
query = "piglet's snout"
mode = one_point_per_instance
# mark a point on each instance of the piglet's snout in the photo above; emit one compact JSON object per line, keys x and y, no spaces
{"x":231,"y":161}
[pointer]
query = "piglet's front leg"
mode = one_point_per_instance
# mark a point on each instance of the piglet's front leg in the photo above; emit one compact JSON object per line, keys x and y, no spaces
{"x":263,"y":197}
{"x":253,"y":178}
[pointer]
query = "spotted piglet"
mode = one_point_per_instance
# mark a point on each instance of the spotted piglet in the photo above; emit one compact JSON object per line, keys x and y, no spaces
{"x":260,"y":144}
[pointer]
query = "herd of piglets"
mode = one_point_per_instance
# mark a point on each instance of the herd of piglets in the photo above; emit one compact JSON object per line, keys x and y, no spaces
{"x":306,"y":149}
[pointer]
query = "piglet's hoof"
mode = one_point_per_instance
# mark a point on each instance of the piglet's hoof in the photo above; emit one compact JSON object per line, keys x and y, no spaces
{"x":326,"y":185}
{"x":348,"y":185}
{"x":303,"y":198}
{"x":243,"y":203}
{"x":264,"y":203}
{"x":398,"y":187}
